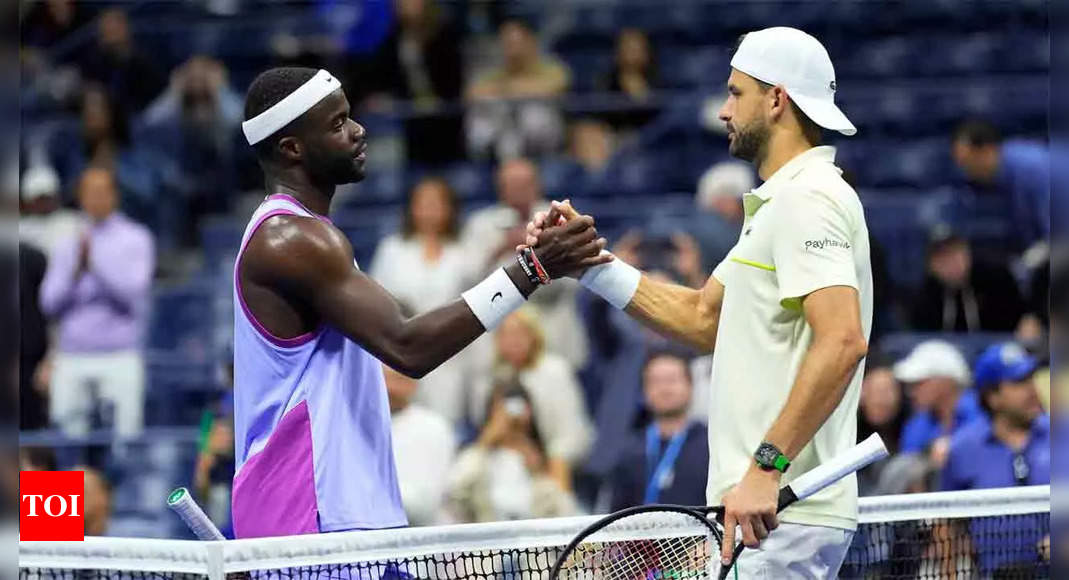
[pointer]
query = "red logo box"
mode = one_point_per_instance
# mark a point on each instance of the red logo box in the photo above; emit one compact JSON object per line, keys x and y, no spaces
{"x":51,"y":505}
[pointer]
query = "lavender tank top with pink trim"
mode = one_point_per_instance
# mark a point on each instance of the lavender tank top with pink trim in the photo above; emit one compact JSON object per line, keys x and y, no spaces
{"x":311,"y":425}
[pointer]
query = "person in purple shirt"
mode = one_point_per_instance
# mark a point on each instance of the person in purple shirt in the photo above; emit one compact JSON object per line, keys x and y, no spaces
{"x":937,"y":378}
{"x":96,"y":290}
{"x":1011,"y":448}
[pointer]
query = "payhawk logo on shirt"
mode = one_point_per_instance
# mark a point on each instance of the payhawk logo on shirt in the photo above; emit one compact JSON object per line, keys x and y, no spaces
{"x":826,"y":243}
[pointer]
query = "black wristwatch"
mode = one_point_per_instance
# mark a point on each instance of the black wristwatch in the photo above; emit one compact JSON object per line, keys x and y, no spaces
{"x":769,"y":457}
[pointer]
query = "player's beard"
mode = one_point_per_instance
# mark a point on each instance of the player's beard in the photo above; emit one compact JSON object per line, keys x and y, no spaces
{"x":336,"y":168}
{"x":750,"y":141}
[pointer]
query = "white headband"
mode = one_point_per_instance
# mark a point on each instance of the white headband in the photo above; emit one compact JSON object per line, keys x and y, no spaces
{"x":294,"y":105}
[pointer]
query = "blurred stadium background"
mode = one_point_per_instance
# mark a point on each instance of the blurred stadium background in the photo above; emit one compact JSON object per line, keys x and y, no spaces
{"x":612,"y":102}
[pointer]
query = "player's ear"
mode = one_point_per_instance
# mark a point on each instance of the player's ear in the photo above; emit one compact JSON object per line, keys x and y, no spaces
{"x":290,"y":148}
{"x":778,"y":101}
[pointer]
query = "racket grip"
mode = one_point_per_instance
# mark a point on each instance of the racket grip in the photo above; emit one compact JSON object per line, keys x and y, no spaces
{"x":786,"y":498}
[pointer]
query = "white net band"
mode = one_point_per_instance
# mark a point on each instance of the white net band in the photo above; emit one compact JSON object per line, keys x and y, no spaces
{"x":450,"y":545}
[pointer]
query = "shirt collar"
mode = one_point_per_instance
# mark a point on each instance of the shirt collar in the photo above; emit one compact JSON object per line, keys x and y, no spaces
{"x":754,"y":199}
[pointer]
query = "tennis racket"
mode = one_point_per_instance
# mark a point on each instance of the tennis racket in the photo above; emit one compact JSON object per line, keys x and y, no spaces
{"x":674,"y":542}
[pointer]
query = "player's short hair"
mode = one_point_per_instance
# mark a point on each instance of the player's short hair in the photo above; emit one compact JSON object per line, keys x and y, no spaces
{"x":270,"y":87}
{"x":977,"y":133}
{"x":672,"y":352}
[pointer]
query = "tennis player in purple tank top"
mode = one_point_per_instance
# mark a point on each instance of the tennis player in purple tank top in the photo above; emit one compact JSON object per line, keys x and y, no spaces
{"x":311,"y":418}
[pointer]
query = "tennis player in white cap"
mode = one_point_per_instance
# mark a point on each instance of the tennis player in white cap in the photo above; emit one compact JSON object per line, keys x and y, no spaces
{"x":786,"y":314}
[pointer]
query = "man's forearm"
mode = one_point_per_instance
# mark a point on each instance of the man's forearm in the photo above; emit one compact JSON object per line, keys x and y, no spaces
{"x":430,"y":339}
{"x":675,"y":310}
{"x":817,"y":391}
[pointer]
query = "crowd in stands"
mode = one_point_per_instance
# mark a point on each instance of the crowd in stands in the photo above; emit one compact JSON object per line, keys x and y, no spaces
{"x":570,"y":406}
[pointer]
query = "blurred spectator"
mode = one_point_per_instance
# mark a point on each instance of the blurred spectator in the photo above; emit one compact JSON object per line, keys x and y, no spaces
{"x":97,"y":289}
{"x":494,"y":232}
{"x":97,"y":501}
{"x":591,"y":145}
{"x":103,"y":139}
{"x":937,"y":379}
{"x":963,"y":293}
{"x":37,"y":459}
{"x":634,"y":71}
{"x":669,"y":463}
{"x":619,"y":347}
{"x":33,"y":337}
{"x":130,"y":77}
{"x":1015,"y":442}
{"x":419,"y":62}
{"x":425,"y":266}
{"x":882,"y":411}
{"x":43,"y":221}
{"x":552,"y":387}
{"x":423,"y":446}
{"x":46,"y":22}
{"x":195,"y":123}
{"x":718,"y":222}
{"x":1012,"y":448}
{"x":505,"y":474}
{"x":1019,"y":170}
{"x":491,"y":235}
{"x":634,"y":76}
{"x":509,"y":113}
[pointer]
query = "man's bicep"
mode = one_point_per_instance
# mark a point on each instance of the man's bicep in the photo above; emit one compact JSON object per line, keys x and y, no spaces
{"x":834,"y":309}
{"x":711,"y":299}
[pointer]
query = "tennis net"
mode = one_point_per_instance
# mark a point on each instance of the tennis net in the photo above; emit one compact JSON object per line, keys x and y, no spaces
{"x":1002,"y":533}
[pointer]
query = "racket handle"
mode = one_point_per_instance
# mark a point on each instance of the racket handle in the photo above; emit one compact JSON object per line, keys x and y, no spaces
{"x":838,"y":467}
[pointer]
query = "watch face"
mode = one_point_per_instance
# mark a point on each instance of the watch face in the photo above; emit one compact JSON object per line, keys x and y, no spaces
{"x":766,"y":455}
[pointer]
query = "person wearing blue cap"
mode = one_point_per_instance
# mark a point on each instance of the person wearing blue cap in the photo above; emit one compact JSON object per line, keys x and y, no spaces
{"x":1011,"y":448}
{"x":1015,"y":440}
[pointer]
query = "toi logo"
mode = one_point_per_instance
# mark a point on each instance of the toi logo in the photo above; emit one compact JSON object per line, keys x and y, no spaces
{"x":51,"y":505}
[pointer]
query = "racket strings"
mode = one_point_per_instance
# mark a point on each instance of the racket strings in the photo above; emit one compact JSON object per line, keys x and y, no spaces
{"x":615,"y":553}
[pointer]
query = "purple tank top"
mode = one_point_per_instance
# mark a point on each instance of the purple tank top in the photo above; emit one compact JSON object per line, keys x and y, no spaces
{"x":311,"y":424}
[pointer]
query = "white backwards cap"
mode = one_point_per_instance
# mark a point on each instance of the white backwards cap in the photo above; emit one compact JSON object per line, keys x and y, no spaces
{"x":789,"y":57}
{"x":288,"y":109}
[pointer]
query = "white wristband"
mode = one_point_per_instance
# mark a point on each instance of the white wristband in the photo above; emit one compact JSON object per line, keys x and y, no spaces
{"x":616,"y":282}
{"x":493,"y":299}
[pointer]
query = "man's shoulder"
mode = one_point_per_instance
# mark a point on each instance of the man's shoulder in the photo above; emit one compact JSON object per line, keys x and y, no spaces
{"x":970,"y":434}
{"x":821,"y":186}
{"x":297,"y":246}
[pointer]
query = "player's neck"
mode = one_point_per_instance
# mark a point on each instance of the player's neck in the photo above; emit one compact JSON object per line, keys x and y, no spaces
{"x":782,"y":147}
{"x":315,"y":198}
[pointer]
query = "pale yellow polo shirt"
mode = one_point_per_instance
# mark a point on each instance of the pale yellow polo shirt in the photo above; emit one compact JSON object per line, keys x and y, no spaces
{"x":804,"y":230}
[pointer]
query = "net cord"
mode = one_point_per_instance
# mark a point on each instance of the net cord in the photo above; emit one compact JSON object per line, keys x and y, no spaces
{"x":207,"y":558}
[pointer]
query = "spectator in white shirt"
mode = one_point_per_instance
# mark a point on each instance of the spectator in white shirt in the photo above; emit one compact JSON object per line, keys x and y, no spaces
{"x":423,"y":448}
{"x":505,"y":473}
{"x":425,"y":266}
{"x":552,"y":386}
